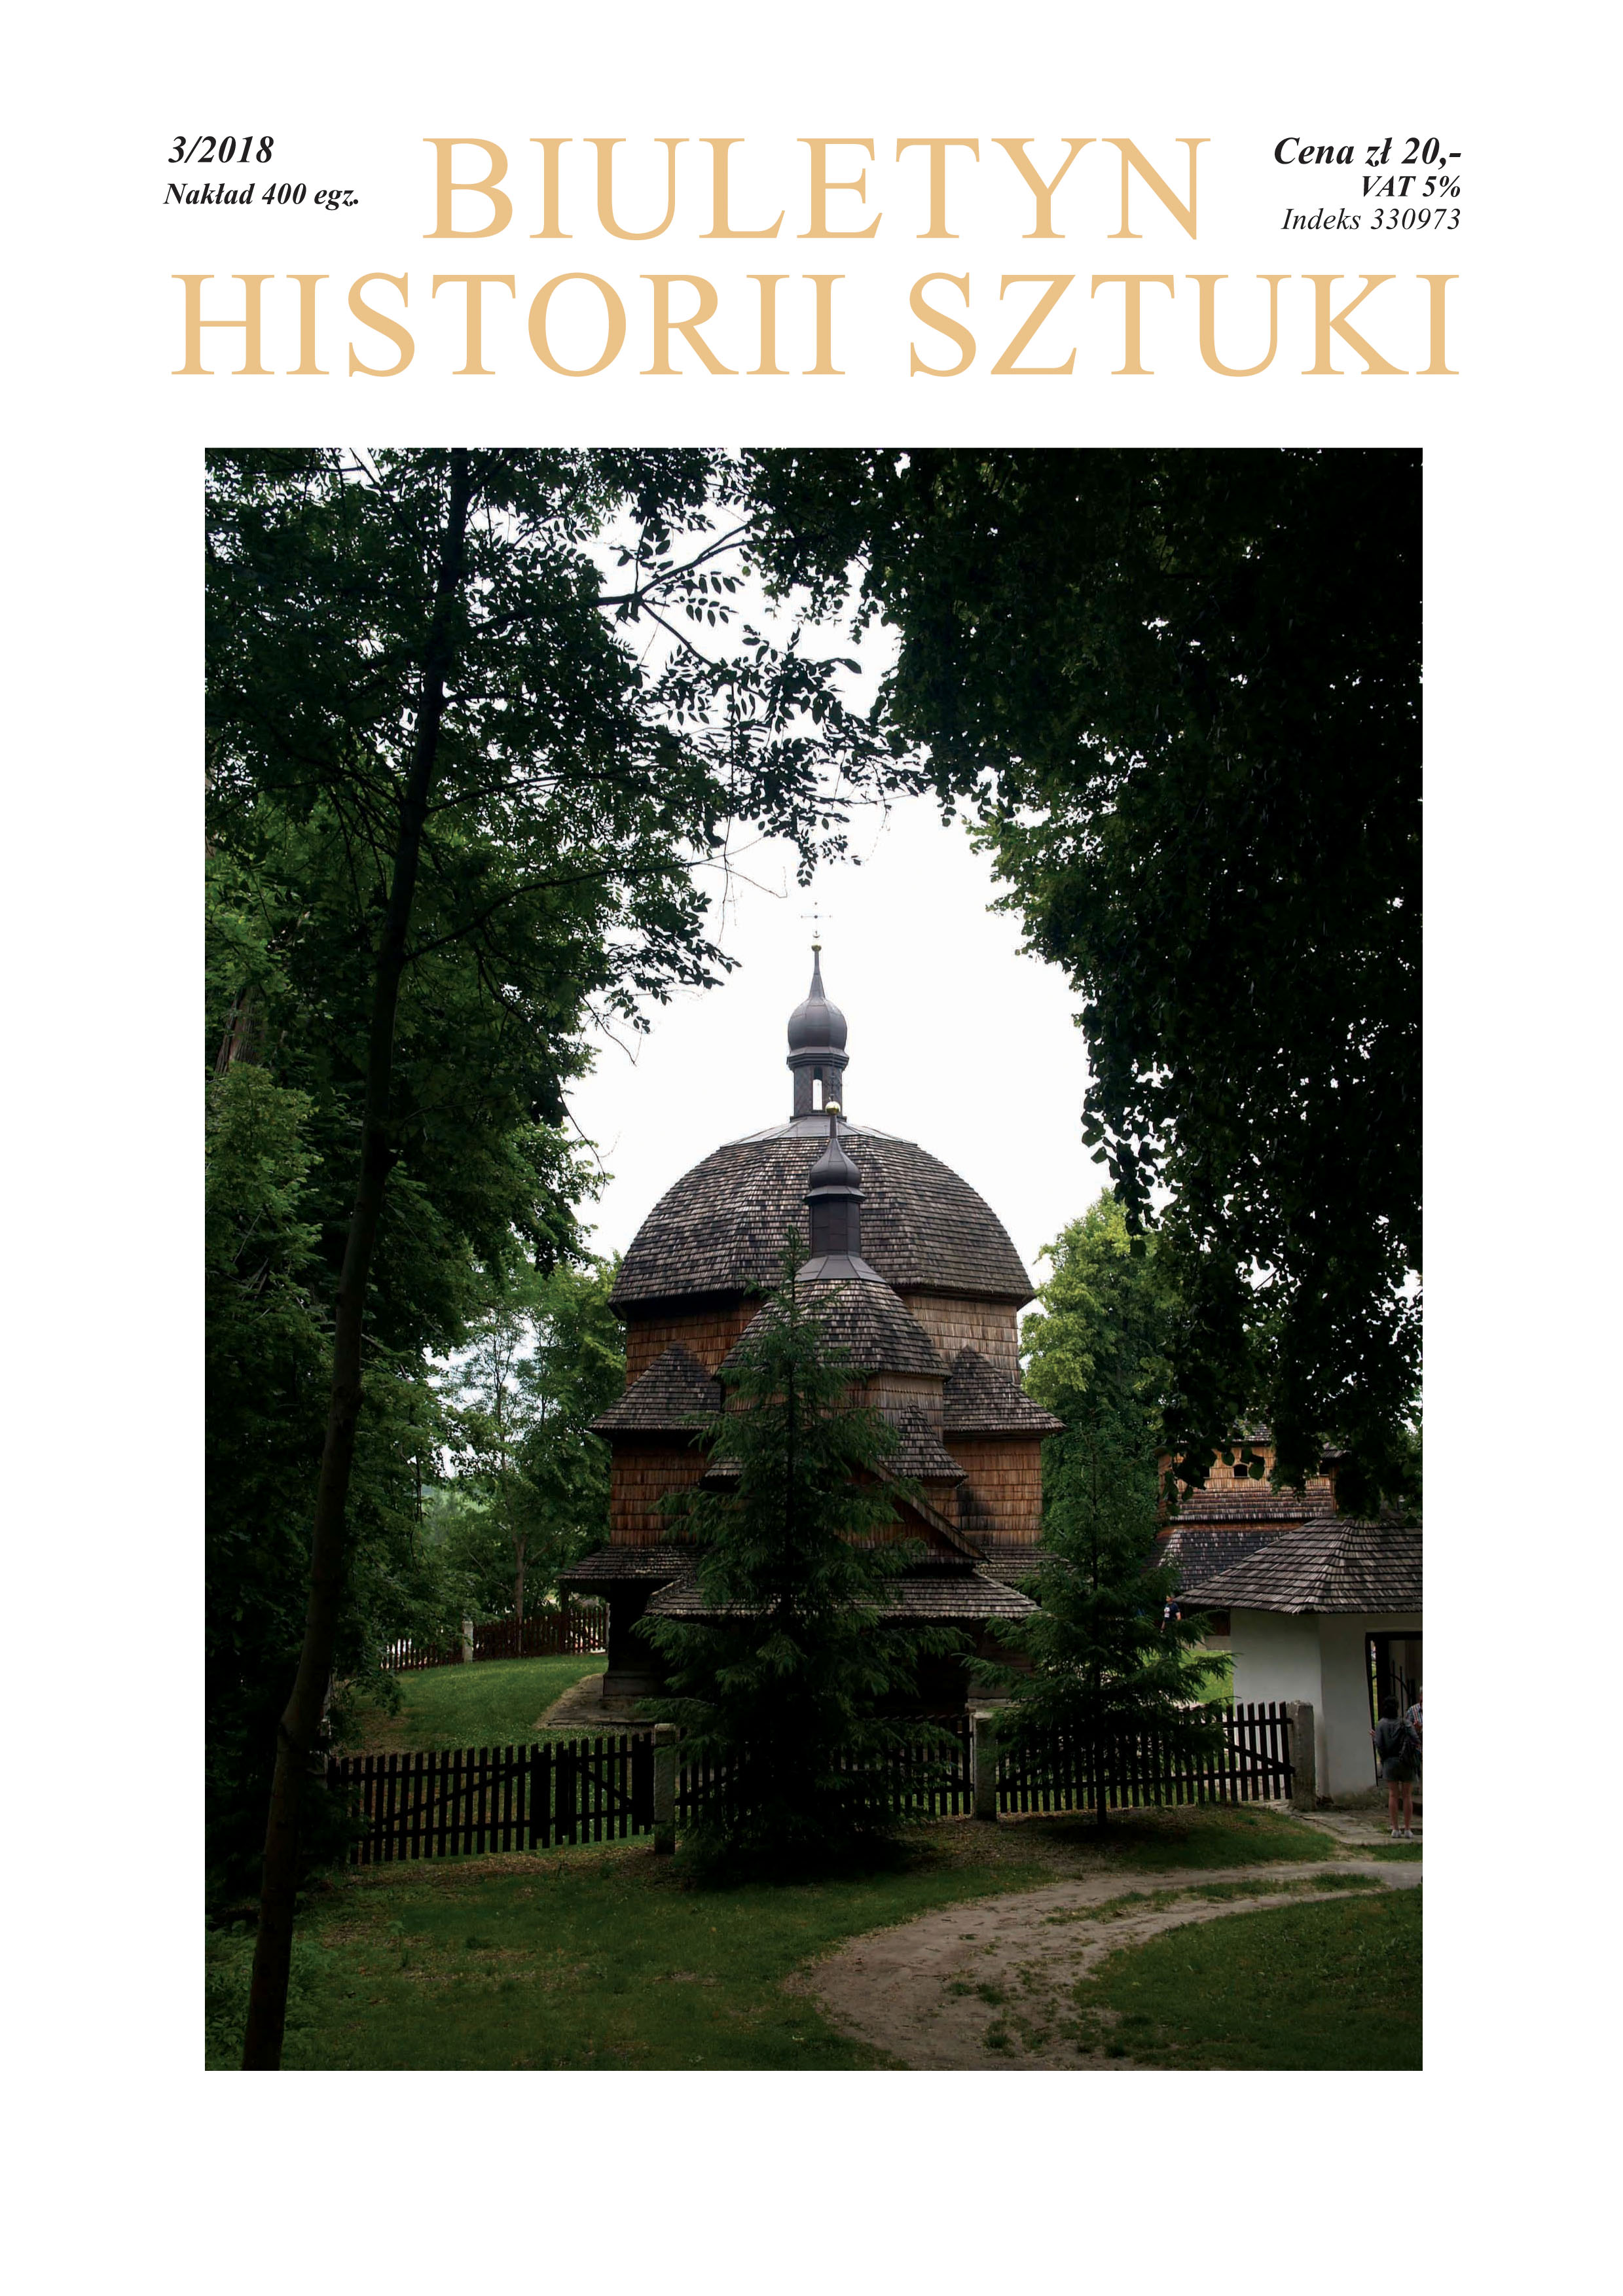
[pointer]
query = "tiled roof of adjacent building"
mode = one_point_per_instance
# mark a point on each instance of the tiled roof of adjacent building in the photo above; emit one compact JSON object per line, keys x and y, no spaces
{"x":722,"y":1227}
{"x":1199,"y":1551}
{"x":868,"y":1321}
{"x":672,"y":1394}
{"x":609,"y":1564}
{"x":1338,"y":1565}
{"x":1251,"y":1500}
{"x":980,"y":1399}
{"x":939,"y":1596}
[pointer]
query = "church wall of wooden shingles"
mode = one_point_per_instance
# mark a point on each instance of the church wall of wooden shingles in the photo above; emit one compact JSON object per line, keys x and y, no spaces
{"x":1003,"y":1497}
{"x":643,"y":1473}
{"x":707,"y":1332}
{"x":895,"y":1390}
{"x":986,"y":1325}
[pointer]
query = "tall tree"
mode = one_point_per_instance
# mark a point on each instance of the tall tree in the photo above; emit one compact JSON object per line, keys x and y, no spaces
{"x":1110,"y":1659}
{"x":1180,"y":693}
{"x":782,"y":1682}
{"x":268,"y":1338}
{"x":467,"y":813}
{"x":1098,"y":1341}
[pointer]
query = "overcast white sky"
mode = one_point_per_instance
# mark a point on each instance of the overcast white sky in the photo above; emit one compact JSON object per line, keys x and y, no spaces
{"x":956,"y":1039}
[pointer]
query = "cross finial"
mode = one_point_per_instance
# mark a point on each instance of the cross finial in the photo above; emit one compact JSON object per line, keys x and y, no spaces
{"x":814,"y":916}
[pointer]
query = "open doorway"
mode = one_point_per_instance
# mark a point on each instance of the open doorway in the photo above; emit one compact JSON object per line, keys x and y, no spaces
{"x":1393,"y":1671}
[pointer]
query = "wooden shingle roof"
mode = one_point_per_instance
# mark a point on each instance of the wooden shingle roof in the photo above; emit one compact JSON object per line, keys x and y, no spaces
{"x":724,"y":1225}
{"x":1253,"y":1501}
{"x":1338,"y":1565}
{"x":980,"y":1399}
{"x":609,"y":1565}
{"x":919,"y":1454}
{"x":867,"y":1322}
{"x":1200,"y":1551}
{"x":1013,"y":1561}
{"x":675,"y":1392}
{"x":938,"y":1597}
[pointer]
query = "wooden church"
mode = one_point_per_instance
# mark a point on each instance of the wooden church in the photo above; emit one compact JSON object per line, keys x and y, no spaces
{"x":916,"y":1280}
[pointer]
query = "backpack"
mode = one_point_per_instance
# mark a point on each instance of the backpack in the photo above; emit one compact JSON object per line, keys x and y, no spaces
{"x":1398,"y":1742}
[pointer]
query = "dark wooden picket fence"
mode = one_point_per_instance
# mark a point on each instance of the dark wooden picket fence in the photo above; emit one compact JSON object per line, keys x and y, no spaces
{"x":575,"y":1629}
{"x":476,"y":1799}
{"x":406,"y":1657}
{"x":570,"y":1632}
{"x":921,"y":1778}
{"x":1137,"y":1772}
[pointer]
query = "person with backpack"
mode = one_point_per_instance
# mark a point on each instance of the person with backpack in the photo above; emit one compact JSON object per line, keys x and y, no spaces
{"x":1397,"y":1753}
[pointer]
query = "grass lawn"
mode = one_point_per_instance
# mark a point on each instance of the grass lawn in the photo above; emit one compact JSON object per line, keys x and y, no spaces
{"x":608,"y":1959}
{"x":1307,"y":1988}
{"x":494,"y":1703}
{"x":1215,"y":1834}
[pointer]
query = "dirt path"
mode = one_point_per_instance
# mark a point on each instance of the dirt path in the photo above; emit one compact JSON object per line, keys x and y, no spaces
{"x":583,"y":1708}
{"x":986,"y":1987}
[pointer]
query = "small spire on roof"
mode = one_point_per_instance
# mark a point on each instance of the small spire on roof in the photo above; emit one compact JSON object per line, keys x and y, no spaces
{"x":834,"y":1198}
{"x":817,"y":1045}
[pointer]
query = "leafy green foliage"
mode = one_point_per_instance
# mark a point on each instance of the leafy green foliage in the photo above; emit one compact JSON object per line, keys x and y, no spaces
{"x":1179,"y":691}
{"x":784,"y":1689}
{"x":227,"y":1966}
{"x":1097,"y":1345}
{"x":266,"y":1365}
{"x":531,"y":1493}
{"x":580,"y":786}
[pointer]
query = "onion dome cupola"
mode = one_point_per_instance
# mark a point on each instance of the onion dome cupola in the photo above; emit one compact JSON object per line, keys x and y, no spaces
{"x":817,"y":1045}
{"x":833,"y":1200}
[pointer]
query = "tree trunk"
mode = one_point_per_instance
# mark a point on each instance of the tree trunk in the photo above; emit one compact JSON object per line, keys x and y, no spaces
{"x":296,"y":1732}
{"x":518,"y":1592}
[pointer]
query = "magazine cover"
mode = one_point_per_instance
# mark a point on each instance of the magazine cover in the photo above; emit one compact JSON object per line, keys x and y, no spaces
{"x":780,"y":1433}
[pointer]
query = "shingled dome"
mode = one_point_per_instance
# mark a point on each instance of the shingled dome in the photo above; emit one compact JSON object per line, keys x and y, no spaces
{"x":724,"y":1226}
{"x":721,"y":1227}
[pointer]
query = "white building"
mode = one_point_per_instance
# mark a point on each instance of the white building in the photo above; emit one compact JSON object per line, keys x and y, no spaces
{"x":1329,"y":1614}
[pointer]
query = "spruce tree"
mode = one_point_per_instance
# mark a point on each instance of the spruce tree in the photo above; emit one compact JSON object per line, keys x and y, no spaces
{"x":1112,"y":1660}
{"x":779,"y":1689}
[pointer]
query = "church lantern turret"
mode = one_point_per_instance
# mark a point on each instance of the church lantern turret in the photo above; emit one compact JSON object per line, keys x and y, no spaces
{"x":834,"y":1202}
{"x":817,"y":1046}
